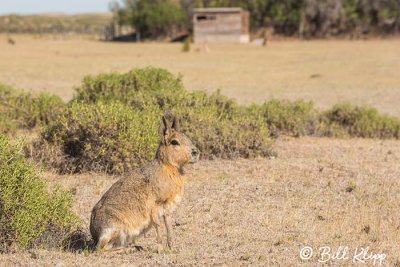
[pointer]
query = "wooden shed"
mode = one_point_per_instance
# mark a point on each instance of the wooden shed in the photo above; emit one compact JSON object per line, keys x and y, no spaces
{"x":220,"y":25}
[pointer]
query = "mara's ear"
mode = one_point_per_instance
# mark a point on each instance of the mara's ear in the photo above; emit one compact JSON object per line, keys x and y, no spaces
{"x":164,"y":130}
{"x":175,"y":125}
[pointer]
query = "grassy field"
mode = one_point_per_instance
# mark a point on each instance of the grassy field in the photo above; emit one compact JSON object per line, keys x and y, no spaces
{"x":363,"y":72}
{"x":317,"y":192}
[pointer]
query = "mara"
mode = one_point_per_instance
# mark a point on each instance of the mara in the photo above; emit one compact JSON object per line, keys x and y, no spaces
{"x":147,"y":197}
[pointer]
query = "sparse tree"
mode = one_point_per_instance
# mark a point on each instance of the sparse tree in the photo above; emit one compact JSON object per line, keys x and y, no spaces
{"x":152,"y":18}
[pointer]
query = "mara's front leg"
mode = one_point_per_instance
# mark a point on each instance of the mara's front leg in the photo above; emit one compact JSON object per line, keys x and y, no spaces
{"x":168,"y":227}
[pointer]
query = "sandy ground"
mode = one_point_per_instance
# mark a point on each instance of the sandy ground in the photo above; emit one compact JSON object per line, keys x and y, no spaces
{"x":327,"y":72}
{"x":317,"y":192}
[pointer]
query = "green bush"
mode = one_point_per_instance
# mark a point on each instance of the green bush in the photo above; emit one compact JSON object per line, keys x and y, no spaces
{"x":217,"y":124}
{"x":115,"y":138}
{"x":232,"y":135}
{"x":111,"y":124}
{"x":220,"y":127}
{"x":139,"y":88}
{"x":152,"y":19}
{"x":148,"y":88}
{"x":350,"y":120}
{"x":28,"y":213}
{"x":289,"y":118}
{"x":20,"y":110}
{"x":108,"y":137}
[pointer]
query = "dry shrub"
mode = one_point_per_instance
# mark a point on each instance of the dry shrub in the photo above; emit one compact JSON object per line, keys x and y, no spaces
{"x":221,"y":128}
{"x":186,"y":44}
{"x":108,"y":137}
{"x":111,"y":124}
{"x":233,"y":136}
{"x":139,"y":88}
{"x":29,"y":215}
{"x":20,"y":110}
{"x":289,"y":118}
{"x":343,"y":120}
{"x":346,"y":119}
{"x":114,"y":138}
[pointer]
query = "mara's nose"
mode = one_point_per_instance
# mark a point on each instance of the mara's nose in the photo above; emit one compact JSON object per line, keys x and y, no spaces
{"x":195,"y":152}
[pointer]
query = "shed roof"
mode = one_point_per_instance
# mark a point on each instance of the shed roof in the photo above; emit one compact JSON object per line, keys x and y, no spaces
{"x":217,"y":10}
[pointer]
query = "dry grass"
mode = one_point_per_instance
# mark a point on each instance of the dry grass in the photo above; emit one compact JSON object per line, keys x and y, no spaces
{"x":317,"y":192}
{"x":363,"y":72}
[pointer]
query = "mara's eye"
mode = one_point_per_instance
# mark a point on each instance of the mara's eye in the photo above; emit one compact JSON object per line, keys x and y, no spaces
{"x":174,"y":143}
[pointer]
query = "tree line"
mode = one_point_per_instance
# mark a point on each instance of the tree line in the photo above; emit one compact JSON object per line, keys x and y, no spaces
{"x":307,"y":18}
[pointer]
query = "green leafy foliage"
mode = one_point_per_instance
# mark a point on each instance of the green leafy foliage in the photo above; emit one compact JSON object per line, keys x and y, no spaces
{"x":163,"y":18}
{"x":27,"y":211}
{"x":152,"y":18}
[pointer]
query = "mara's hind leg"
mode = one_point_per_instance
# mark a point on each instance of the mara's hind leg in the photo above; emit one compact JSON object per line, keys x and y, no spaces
{"x":156,"y":223}
{"x":168,"y":227}
{"x":111,"y":239}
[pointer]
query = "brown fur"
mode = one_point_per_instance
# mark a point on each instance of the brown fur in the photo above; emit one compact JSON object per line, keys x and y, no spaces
{"x":137,"y":202}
